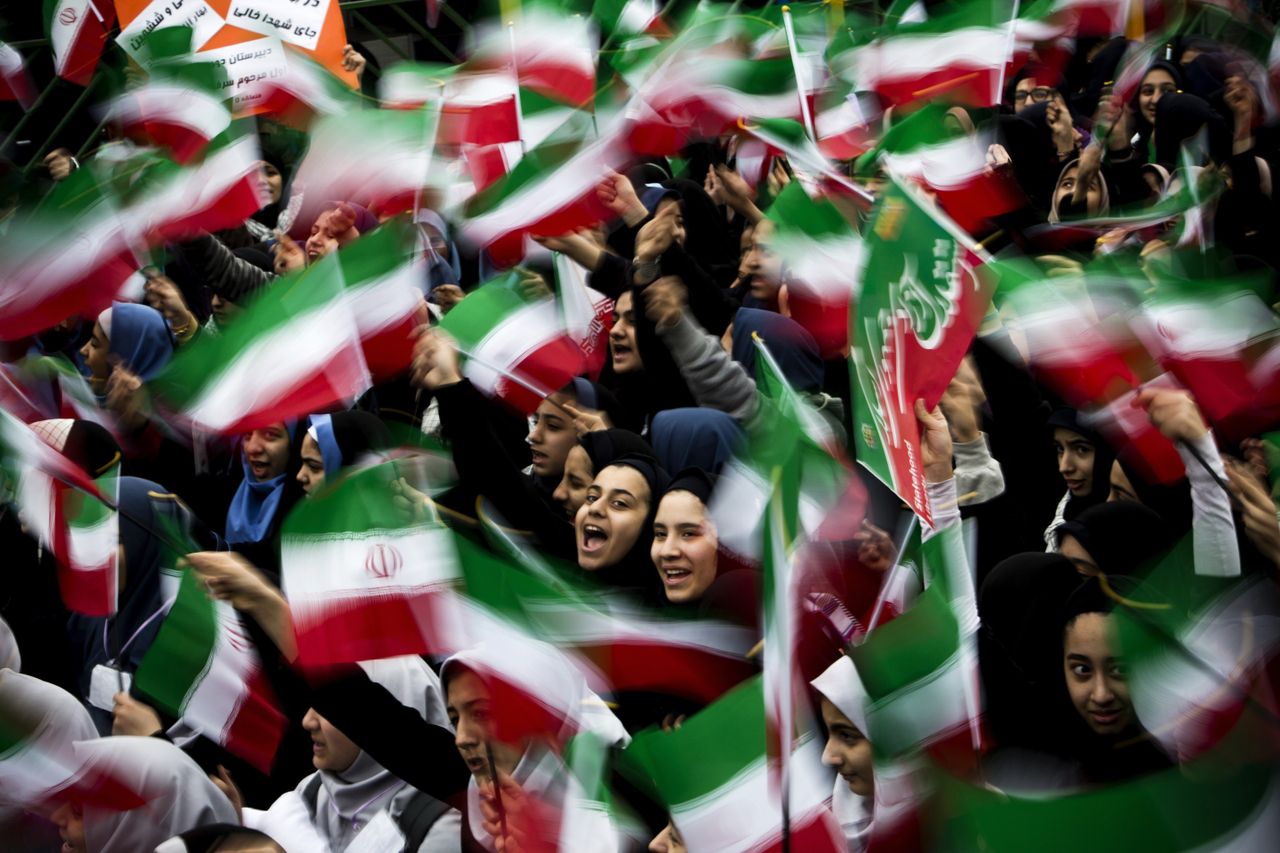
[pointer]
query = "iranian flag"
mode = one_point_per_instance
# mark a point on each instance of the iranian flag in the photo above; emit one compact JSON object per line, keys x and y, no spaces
{"x":960,"y":57}
{"x":630,"y":648}
{"x":204,"y":669}
{"x":392,"y":166}
{"x":382,"y":280}
{"x":481,"y":108}
{"x":844,"y":123}
{"x":77,"y":31}
{"x":15,"y":85}
{"x":294,"y":351}
{"x":550,"y":52}
{"x":68,"y":256}
{"x":721,"y":789}
{"x":220,"y":191}
{"x":362,"y":586}
{"x":918,"y":309}
{"x":182,"y":119}
{"x":551,"y":191}
{"x":587,"y":313}
{"x":1224,"y":347}
{"x":304,"y":91}
{"x":72,"y":515}
{"x":819,"y":253}
{"x":922,"y":149}
{"x":920,"y":669}
{"x":515,"y":349}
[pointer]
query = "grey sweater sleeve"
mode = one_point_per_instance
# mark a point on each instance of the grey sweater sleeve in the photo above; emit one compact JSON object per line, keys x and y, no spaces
{"x":226,"y":275}
{"x":977,"y":472}
{"x":715,"y":379}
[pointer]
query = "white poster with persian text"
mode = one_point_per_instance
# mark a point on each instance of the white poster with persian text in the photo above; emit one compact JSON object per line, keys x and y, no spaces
{"x":248,"y":64}
{"x":203,"y":19}
{"x":295,"y":21}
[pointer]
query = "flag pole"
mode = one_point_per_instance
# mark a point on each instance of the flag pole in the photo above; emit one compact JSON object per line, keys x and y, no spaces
{"x":497,"y":790}
{"x":890,"y":579}
{"x":801,"y":89}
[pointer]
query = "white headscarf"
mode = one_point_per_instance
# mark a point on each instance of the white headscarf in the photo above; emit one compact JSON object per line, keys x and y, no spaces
{"x":178,"y":794}
{"x":348,"y":800}
{"x":49,"y":720}
{"x":842,"y":687}
{"x":540,"y":771}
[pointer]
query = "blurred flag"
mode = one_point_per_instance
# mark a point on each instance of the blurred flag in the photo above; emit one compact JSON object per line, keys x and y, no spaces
{"x":958,"y":56}
{"x":204,"y":669}
{"x":15,"y":84}
{"x":361,"y":584}
{"x":820,"y":254}
{"x":588,"y":314}
{"x":72,"y":515}
{"x":713,"y":774}
{"x":551,"y":191}
{"x":69,"y":255}
{"x":294,"y":351}
{"x":549,"y":51}
{"x":922,"y":148}
{"x":918,"y":309}
{"x":514,"y":348}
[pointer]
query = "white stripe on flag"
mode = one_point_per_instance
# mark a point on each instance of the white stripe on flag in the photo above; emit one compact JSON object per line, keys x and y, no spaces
{"x":516,"y":337}
{"x":181,"y":105}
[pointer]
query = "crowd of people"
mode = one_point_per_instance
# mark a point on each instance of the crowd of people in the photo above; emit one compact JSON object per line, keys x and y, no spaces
{"x":615,"y":476}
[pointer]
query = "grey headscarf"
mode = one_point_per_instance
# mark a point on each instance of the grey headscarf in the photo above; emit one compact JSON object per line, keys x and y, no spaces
{"x":348,"y":800}
{"x":10,"y":656}
{"x":178,"y":794}
{"x":48,"y":721}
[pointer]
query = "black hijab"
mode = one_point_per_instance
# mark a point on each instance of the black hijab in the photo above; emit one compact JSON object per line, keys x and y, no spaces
{"x":1121,"y":536}
{"x":606,"y":445}
{"x":634,"y":572}
{"x":1172,"y":502}
{"x":1103,"y":457}
{"x":1179,"y":119}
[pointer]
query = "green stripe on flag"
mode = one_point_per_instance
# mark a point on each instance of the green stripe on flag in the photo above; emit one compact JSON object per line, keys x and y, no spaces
{"x":183,"y":649}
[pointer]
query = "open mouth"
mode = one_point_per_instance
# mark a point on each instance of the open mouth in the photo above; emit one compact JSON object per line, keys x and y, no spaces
{"x":1075,"y":485}
{"x":537,"y":457}
{"x":477,"y":765}
{"x":621,"y":350}
{"x":259,"y":469}
{"x":593,"y":538}
{"x":1105,"y":718}
{"x":675,"y":577}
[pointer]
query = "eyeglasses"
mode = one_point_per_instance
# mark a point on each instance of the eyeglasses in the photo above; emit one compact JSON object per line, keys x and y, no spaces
{"x":1038,"y":95}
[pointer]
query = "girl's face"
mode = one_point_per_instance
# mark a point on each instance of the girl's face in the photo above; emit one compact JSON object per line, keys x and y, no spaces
{"x":69,"y":819}
{"x":311,"y":474}
{"x":611,"y":517}
{"x":267,"y":450}
{"x":271,"y":181}
{"x":1067,"y":186}
{"x":847,"y":750}
{"x":764,"y":267}
{"x":95,"y":357}
{"x":622,"y":337}
{"x":577,"y":478}
{"x":468,"y":705}
{"x":1155,"y":85}
{"x":1075,"y":460}
{"x":1096,"y":676}
{"x":684,"y":547}
{"x":551,"y":434}
{"x":330,"y":749}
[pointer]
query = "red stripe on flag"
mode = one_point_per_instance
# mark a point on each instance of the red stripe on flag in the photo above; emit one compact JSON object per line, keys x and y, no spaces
{"x":258,"y":725}
{"x":368,"y":627}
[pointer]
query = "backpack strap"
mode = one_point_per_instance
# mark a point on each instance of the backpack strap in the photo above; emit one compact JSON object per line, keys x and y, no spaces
{"x":419,"y":815}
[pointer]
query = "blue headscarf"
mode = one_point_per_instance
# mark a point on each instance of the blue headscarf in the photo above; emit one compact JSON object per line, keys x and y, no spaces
{"x":695,"y":438}
{"x":791,"y":345}
{"x":255,"y":506}
{"x":321,"y":429}
{"x":140,"y":337}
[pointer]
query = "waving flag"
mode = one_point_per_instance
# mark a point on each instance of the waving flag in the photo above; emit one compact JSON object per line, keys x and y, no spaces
{"x":960,"y":57}
{"x":72,"y":515}
{"x":819,"y":253}
{"x":549,"y":52}
{"x":715,"y":778}
{"x":77,"y":31}
{"x":68,"y":256}
{"x":203,"y":668}
{"x":515,"y":349}
{"x":360,"y":584}
{"x":918,"y":309}
{"x":295,"y":350}
{"x":15,"y":85}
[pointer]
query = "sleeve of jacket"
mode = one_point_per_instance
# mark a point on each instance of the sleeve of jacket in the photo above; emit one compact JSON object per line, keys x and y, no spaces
{"x":225,"y":274}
